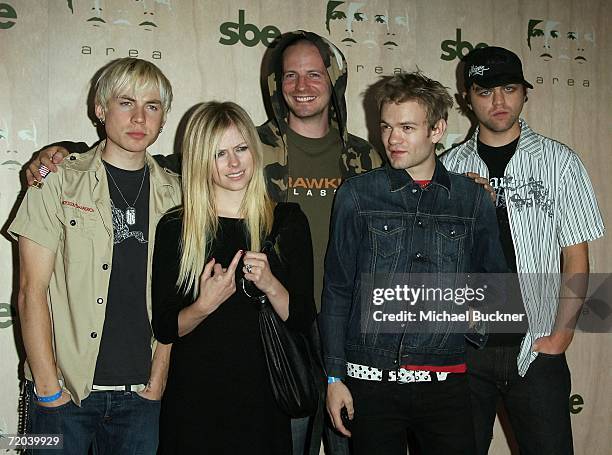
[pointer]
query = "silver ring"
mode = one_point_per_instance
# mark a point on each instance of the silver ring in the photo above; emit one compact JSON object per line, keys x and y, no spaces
{"x":248,"y":267}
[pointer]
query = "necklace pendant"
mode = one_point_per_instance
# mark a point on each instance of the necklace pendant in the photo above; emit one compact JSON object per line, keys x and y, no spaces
{"x":130,"y":216}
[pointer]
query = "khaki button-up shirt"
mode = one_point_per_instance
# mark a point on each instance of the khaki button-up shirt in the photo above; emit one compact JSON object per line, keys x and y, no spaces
{"x":71,"y":216}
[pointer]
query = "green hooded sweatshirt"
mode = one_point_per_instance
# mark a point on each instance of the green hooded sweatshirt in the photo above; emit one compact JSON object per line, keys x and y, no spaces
{"x":357,"y":155}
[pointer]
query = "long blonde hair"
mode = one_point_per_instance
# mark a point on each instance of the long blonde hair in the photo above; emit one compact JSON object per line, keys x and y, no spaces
{"x":205,"y":128}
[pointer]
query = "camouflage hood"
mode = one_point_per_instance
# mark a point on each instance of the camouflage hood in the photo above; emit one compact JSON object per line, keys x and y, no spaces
{"x":357,"y":155}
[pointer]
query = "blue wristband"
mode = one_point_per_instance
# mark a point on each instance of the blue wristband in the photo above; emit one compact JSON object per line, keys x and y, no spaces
{"x":50,"y":398}
{"x":332,"y":379}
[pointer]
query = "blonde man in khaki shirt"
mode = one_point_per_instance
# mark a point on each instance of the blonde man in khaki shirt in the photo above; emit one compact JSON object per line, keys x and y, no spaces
{"x":86,"y":236}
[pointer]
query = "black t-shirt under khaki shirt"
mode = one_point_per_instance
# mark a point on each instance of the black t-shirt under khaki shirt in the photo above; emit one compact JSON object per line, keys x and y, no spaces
{"x":125,"y":348}
{"x":314,"y":176}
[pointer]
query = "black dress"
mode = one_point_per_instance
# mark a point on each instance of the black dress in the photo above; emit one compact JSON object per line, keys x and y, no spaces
{"x":218,"y":398}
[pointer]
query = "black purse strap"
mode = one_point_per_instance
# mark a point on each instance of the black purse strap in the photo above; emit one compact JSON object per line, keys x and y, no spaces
{"x":281,"y":211}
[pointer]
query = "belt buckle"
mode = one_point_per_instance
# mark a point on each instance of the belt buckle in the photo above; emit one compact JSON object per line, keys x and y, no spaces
{"x":118,"y":388}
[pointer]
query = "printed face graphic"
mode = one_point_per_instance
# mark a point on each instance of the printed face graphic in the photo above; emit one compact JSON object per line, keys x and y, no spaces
{"x":357,"y":23}
{"x":554,"y":40}
{"x":16,"y":141}
{"x":122,"y":13}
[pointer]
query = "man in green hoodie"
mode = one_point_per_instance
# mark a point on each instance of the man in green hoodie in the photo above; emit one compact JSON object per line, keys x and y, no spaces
{"x":307,"y":150}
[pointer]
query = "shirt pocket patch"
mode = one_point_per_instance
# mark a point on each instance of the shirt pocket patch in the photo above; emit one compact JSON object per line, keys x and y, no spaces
{"x":452,"y":230}
{"x":79,"y":234}
{"x":451,"y":235}
{"x":387,"y":235}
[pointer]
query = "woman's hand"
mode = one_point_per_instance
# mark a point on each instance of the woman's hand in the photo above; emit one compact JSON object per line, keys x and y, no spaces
{"x":216,"y":285}
{"x":257,"y":269}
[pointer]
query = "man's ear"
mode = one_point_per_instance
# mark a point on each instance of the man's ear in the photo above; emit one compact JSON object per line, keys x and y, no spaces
{"x":466,"y":98}
{"x":99,"y":110}
{"x":437,"y":132}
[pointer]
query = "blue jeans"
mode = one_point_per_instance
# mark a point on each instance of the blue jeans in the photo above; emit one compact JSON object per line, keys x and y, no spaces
{"x":334,"y":442}
{"x":107,"y":422}
{"x":537,"y":404}
{"x":300,"y":433}
{"x":306,"y":432}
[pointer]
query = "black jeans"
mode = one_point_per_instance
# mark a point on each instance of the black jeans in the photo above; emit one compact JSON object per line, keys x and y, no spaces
{"x":537,"y":404}
{"x":438,"y":414}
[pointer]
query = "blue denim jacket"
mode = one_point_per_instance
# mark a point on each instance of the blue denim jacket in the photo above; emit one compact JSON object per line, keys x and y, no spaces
{"x":385,"y":223}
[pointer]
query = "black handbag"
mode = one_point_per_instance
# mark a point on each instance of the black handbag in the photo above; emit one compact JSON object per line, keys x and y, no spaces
{"x":293,"y":358}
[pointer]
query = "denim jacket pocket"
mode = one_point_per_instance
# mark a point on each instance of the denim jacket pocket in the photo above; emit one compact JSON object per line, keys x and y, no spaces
{"x":387,"y":241}
{"x":451,"y":235}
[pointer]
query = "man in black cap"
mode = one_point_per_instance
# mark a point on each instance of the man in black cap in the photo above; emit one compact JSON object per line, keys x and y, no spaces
{"x":546,"y":209}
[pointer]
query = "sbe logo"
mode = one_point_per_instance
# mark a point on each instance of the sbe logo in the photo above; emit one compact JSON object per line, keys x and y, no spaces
{"x":247,"y":34}
{"x":457,"y":48}
{"x":6,"y":315}
{"x":8,"y":16}
{"x":576,"y":404}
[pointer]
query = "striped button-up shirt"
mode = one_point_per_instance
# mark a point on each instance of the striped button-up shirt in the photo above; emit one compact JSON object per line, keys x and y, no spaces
{"x":551,"y":204}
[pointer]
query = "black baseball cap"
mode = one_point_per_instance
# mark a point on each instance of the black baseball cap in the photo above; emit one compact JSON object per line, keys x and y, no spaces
{"x":491,"y":67}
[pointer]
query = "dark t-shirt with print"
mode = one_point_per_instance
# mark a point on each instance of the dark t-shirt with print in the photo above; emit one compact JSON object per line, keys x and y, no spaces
{"x":314,"y":176}
{"x":496,"y":159}
{"x":125,"y":348}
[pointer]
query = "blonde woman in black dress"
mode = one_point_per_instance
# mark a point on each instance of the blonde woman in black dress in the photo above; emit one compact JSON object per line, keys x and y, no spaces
{"x":218,"y":398}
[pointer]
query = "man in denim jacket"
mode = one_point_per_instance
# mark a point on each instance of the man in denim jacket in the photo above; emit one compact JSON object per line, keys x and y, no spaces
{"x":413,"y":217}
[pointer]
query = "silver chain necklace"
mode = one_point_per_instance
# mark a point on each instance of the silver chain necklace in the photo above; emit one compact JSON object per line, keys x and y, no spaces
{"x":130,"y":211}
